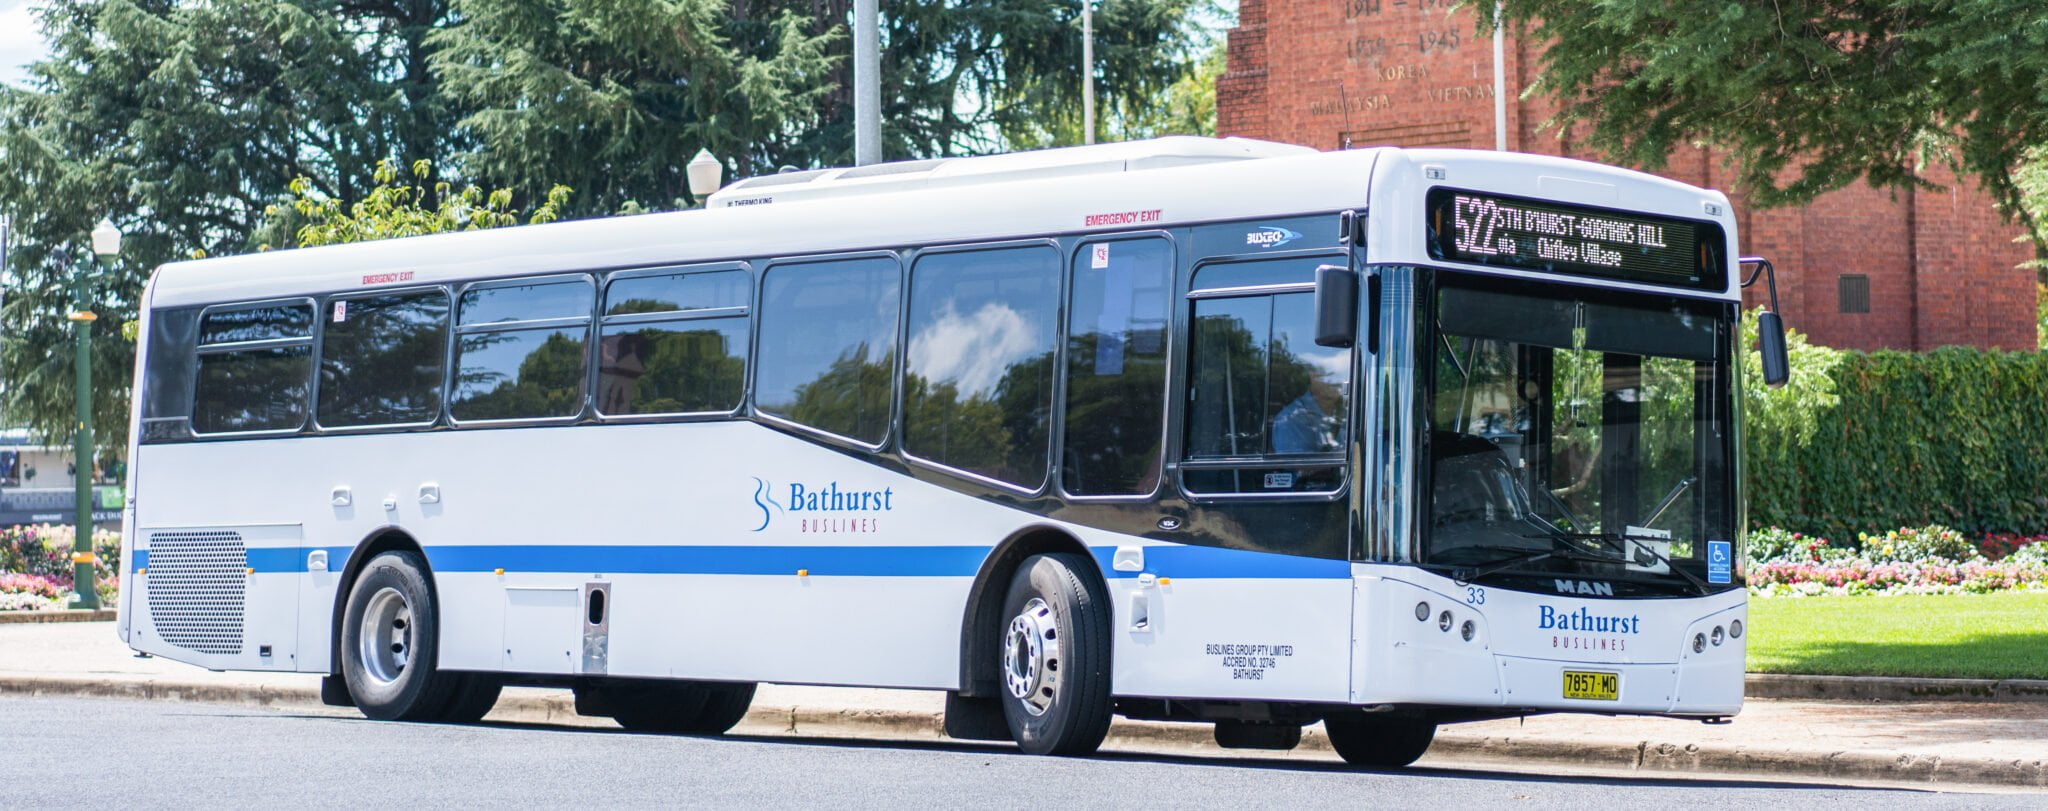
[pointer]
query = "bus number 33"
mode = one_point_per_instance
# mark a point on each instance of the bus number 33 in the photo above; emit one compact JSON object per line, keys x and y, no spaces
{"x":1475,"y":595}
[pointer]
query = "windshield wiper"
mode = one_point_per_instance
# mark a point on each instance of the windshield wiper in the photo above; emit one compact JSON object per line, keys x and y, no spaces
{"x":1561,"y":547}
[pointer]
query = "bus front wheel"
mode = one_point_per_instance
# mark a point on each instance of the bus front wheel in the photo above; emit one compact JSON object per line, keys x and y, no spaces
{"x":390,"y":647}
{"x":1055,"y":648}
{"x":1380,"y":741}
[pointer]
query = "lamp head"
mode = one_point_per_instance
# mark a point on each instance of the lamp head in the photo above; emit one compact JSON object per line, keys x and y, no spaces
{"x":106,"y":239}
{"x":704,"y":173}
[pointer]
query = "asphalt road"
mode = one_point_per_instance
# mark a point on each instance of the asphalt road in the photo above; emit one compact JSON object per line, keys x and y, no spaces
{"x":111,"y":753}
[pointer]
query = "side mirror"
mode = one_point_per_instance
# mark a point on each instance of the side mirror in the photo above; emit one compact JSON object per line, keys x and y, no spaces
{"x":1770,"y":342}
{"x":1336,"y":306}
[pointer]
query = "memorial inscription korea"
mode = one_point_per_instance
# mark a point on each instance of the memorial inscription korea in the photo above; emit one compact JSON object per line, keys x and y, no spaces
{"x":1939,"y":267}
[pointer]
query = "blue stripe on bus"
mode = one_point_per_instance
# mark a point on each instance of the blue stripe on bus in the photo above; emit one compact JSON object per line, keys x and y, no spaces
{"x":823,"y":561}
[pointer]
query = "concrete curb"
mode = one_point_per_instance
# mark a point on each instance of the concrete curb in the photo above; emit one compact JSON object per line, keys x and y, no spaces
{"x":1888,"y":688}
{"x":65,"y":615}
{"x":1641,"y":756}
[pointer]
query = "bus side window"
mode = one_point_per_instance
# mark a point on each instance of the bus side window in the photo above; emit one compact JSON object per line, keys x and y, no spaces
{"x":382,"y":357}
{"x":519,"y":350}
{"x":827,"y":349}
{"x":1115,"y":416}
{"x":255,"y":368}
{"x":1267,"y":406}
{"x":977,"y":380}
{"x":674,"y":343}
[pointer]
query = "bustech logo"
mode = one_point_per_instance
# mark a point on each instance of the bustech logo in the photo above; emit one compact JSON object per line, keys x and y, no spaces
{"x":1271,"y":236}
{"x":827,"y":509}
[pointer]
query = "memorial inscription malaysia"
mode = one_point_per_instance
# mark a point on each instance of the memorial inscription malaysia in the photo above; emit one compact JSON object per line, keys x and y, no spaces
{"x":1403,"y":53}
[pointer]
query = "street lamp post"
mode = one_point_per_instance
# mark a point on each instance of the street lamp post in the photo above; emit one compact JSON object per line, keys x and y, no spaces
{"x":106,"y":244}
{"x":1087,"y":71}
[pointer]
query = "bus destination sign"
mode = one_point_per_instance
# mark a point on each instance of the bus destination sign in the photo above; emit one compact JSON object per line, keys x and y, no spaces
{"x":1493,"y":229}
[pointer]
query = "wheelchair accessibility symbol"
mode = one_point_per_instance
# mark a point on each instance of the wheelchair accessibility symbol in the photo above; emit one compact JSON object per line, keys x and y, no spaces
{"x":1719,"y":554}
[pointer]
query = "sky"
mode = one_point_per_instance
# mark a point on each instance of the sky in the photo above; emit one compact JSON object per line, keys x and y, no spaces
{"x":20,"y":42}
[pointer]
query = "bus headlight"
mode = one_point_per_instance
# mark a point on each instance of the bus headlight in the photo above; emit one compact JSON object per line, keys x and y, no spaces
{"x":1468,"y":630}
{"x":1717,"y":636}
{"x":1699,"y":643}
{"x":1443,"y":622}
{"x":1735,"y":629}
{"x":1422,"y":612}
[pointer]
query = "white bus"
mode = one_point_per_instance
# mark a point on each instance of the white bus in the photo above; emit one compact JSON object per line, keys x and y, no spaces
{"x":1190,"y":429}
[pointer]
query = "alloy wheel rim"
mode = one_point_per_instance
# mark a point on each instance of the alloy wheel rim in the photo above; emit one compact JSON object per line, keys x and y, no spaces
{"x":1031,"y":657}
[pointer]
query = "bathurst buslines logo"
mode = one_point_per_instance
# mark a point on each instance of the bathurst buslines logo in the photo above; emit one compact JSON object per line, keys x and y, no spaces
{"x":1271,"y":236}
{"x":829,"y":509}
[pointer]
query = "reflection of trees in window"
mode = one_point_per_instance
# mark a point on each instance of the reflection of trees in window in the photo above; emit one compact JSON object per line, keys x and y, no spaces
{"x":1113,"y":419}
{"x":245,"y":386}
{"x":827,"y":345}
{"x":674,"y":343}
{"x":673,"y":367}
{"x":978,"y":374}
{"x":382,"y":363}
{"x":1256,"y":392}
{"x":252,"y":390}
{"x":851,"y":398}
{"x":519,"y":374}
{"x":1116,"y":368}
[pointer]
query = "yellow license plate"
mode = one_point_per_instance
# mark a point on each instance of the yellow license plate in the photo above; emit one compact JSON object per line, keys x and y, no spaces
{"x":1595,"y":685}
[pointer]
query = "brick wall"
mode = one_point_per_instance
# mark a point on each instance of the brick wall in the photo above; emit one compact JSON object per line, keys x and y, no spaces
{"x":1941,"y":265}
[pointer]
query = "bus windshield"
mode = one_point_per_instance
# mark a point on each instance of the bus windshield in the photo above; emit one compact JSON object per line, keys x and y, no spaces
{"x":1580,"y":438}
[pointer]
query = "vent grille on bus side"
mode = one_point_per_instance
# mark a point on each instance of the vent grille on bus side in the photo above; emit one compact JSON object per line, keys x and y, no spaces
{"x":197,"y":585}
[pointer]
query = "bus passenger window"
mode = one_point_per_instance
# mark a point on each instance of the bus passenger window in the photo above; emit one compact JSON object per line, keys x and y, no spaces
{"x":382,"y":357}
{"x":828,"y":345}
{"x":674,"y":343}
{"x":1116,"y":368}
{"x":977,"y":380}
{"x":255,"y":366}
{"x":1267,"y":410}
{"x":519,"y":350}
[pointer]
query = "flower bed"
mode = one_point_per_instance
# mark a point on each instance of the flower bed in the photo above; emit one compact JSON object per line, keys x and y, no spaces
{"x":1923,"y":560}
{"x":36,"y":568}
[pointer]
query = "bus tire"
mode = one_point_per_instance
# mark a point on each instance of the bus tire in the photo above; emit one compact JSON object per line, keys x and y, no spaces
{"x":1379,"y":741}
{"x":657,"y":707}
{"x":390,"y":638}
{"x":725,"y":706}
{"x":474,"y":699}
{"x":1055,"y":656}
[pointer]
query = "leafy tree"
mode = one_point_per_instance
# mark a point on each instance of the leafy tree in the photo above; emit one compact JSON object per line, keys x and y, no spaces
{"x":1185,"y":107}
{"x":615,"y":100}
{"x":180,"y":122}
{"x":398,"y":209}
{"x":2041,"y":303}
{"x":1807,"y":95}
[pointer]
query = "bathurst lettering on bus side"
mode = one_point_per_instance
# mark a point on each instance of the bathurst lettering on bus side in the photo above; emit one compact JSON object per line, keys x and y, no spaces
{"x":827,"y":508}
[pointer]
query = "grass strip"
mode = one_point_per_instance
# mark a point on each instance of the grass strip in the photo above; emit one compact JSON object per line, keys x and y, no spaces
{"x":2001,"y":635}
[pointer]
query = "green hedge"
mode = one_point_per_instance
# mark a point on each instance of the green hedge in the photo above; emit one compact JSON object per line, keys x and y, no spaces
{"x":1956,"y":436}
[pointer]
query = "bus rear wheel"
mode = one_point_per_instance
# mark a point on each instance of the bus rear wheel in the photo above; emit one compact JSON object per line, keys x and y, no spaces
{"x":390,"y":647}
{"x":1055,"y":648}
{"x":691,"y":708}
{"x":1379,"y":741}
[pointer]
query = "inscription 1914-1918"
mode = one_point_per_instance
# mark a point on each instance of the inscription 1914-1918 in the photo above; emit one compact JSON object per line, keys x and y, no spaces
{"x":1354,"y":9}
